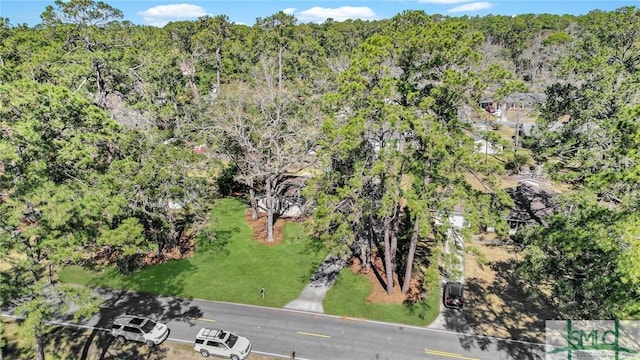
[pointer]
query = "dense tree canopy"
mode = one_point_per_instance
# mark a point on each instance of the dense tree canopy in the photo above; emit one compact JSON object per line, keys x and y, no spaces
{"x":266,"y":132}
{"x":57,"y":149}
{"x":110,"y":134}
{"x":396,"y":147}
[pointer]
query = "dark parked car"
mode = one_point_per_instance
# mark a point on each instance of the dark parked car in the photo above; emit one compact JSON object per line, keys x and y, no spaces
{"x":453,"y":297}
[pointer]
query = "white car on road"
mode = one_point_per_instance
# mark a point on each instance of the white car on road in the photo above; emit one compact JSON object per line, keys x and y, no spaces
{"x":138,"y":328}
{"x":220,"y":343}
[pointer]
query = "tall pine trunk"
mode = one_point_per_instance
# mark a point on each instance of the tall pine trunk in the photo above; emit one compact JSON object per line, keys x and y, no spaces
{"x":365,"y":254}
{"x":406,"y":283}
{"x":388,"y":261}
{"x":280,"y":55}
{"x":395,"y":229}
{"x":218,"y":66}
{"x":39,"y":346}
{"x":101,"y":95}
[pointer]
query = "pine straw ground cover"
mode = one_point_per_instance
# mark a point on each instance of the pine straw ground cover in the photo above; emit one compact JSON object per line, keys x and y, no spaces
{"x":378,"y":293}
{"x":496,"y":302}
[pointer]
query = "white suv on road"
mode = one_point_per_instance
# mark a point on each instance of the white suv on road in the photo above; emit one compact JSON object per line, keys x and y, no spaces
{"x":141,"y":329}
{"x":224,"y":344}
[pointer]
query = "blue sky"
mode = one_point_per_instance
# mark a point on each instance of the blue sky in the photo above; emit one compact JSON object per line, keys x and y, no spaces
{"x":159,"y":12}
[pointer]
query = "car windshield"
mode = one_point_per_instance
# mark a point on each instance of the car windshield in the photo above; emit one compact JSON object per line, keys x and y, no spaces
{"x":148,"y":326}
{"x":231,"y":340}
{"x":454,"y":293}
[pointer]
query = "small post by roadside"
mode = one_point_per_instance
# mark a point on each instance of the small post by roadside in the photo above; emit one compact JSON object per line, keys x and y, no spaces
{"x":262,"y":293}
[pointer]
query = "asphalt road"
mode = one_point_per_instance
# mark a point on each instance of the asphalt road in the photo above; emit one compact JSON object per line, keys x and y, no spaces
{"x":312,"y":336}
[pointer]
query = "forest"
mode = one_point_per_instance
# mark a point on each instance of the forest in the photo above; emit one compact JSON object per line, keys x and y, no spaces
{"x":117,"y":137}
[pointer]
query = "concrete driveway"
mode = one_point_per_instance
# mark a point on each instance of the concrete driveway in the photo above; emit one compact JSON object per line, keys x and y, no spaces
{"x":310,"y":299}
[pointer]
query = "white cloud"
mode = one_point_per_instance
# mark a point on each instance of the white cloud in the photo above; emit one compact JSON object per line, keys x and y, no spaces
{"x":319,"y":14}
{"x":162,"y":14}
{"x":443,"y":2}
{"x":472,"y":7}
{"x":289,"y":11}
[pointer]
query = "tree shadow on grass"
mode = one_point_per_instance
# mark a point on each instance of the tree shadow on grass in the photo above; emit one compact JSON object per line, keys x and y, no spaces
{"x":313,"y":245}
{"x":314,"y":270}
{"x":92,"y":341}
{"x":503,"y":314}
{"x":215,"y":242}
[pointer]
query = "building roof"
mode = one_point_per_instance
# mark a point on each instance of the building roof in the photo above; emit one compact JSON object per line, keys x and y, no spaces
{"x":525,"y":98}
{"x":533,"y":204}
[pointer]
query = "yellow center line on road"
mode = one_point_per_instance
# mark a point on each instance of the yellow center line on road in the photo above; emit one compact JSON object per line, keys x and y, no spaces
{"x":348,"y":318}
{"x":202,"y":319}
{"x":447,"y":354}
{"x":312,"y":334}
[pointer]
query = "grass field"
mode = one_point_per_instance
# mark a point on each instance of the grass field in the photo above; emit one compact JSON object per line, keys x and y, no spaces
{"x":230,"y":267}
{"x":348,"y":298}
{"x":233,"y":267}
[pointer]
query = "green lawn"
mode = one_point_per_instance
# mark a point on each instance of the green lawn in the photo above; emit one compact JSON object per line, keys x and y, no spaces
{"x":348,"y":298}
{"x":231,"y":266}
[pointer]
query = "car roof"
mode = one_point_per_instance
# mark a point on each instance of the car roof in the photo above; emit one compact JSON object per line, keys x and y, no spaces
{"x":129,"y":319}
{"x":211,"y":334}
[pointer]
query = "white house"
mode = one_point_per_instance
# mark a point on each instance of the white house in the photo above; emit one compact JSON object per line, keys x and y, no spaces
{"x":483,"y":146}
{"x":456,"y":218}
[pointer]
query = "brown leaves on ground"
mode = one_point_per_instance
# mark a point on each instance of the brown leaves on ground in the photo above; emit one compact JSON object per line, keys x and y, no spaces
{"x":378,"y":293}
{"x":259,"y":228}
{"x":184,"y":249}
{"x":376,"y":276}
